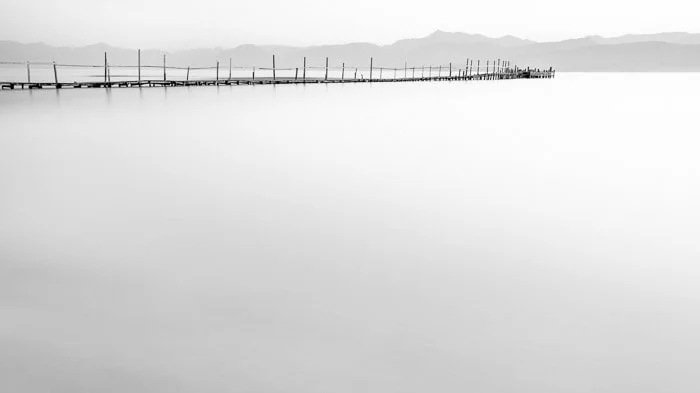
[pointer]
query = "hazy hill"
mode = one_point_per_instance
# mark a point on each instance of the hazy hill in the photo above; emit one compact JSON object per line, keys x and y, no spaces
{"x":672,"y":38}
{"x":650,"y":52}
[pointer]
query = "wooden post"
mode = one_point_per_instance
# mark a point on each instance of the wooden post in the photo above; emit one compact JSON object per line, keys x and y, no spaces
{"x":139,"y":59}
{"x":440,"y":71}
{"x":217,"y":70}
{"x":253,"y":73}
{"x":55,"y":74}
{"x":371,"y":65}
{"x":274,"y":72}
{"x":326,"y":77}
{"x":188,"y":73}
{"x":355,"y":73}
{"x":29,"y":74}
{"x":499,"y":69}
{"x":342,"y":74}
{"x":165,"y":77}
{"x":487,"y":69}
{"x":450,"y":69}
{"x":304,"y":74}
{"x":230,"y":66}
{"x":478,"y":68}
{"x":413,"y":73}
{"x":296,"y":73}
{"x":105,"y":67}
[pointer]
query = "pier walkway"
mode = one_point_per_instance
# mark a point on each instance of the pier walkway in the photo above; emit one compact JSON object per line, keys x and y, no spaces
{"x":495,"y":70}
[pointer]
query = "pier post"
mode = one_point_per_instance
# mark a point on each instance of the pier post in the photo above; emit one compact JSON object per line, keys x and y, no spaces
{"x":450,"y":69}
{"x":217,"y":71}
{"x":440,"y":71}
{"x":326,"y":77}
{"x":139,"y":65}
{"x":105,"y":67}
{"x":55,"y":74}
{"x":371,"y":65}
{"x":253,"y":73}
{"x":342,"y":73}
{"x":188,"y":74}
{"x":296,"y":73}
{"x":478,"y":68}
{"x":165,"y":76}
{"x":413,"y":72}
{"x":274,"y":72}
{"x":355,"y":73}
{"x":499,"y":69}
{"x":304,"y":72}
{"x":230,"y":67}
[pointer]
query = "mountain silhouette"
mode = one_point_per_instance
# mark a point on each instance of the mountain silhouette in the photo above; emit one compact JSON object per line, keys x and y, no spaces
{"x":644,"y":52}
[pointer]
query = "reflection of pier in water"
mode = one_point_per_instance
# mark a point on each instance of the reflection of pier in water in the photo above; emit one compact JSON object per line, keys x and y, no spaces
{"x":492,"y":70}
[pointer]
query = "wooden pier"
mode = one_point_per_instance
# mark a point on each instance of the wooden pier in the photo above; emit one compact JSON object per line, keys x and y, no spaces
{"x":467,"y":72}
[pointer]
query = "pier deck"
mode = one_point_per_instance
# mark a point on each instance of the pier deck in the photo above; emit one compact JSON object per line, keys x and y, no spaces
{"x":12,"y":85}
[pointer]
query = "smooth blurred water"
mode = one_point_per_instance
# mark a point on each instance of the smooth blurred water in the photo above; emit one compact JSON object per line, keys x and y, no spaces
{"x":511,"y":236}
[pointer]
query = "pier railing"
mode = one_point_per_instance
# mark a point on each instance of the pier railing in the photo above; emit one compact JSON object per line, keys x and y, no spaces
{"x":58,"y":75}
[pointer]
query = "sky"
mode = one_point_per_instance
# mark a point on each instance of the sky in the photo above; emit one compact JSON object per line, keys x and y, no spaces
{"x":178,"y":24}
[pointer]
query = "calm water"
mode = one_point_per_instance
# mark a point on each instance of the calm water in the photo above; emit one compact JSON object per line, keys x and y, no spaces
{"x":514,"y":236}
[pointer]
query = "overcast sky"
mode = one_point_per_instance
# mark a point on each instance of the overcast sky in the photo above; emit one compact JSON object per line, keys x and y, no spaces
{"x":177,"y":24}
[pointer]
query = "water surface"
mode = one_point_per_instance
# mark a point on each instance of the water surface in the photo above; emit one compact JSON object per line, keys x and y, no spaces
{"x":510,"y":236}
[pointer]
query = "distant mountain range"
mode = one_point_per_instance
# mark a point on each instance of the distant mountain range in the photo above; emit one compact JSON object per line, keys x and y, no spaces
{"x":644,"y":52}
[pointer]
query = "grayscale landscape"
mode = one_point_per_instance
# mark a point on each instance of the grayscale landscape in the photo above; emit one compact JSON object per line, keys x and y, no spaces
{"x":376,"y":196}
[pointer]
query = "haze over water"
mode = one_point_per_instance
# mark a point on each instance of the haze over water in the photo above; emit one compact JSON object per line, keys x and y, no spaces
{"x":510,"y":236}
